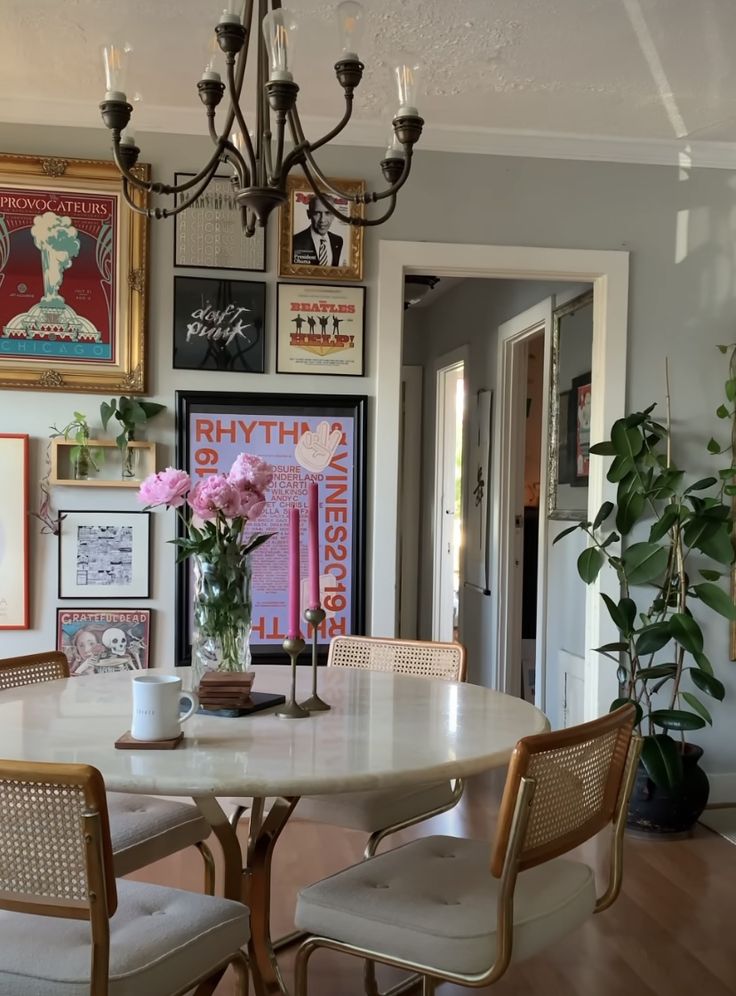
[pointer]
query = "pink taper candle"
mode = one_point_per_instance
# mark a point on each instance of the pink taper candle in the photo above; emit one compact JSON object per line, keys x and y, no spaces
{"x":294,"y":578}
{"x":313,"y":546}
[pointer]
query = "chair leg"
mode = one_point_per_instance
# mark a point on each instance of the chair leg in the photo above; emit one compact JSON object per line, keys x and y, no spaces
{"x":235,"y":816}
{"x":240,"y":969}
{"x":428,"y":985}
{"x":301,"y":968}
{"x":209,"y":868}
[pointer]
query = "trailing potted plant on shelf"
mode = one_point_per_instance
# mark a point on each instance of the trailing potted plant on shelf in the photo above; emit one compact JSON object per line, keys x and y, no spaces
{"x":665,"y":579}
{"x":132,"y":414}
{"x":82,"y":457}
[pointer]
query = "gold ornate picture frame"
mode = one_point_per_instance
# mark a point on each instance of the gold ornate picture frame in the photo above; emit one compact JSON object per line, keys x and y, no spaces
{"x":305,"y":233}
{"x":73,"y":277}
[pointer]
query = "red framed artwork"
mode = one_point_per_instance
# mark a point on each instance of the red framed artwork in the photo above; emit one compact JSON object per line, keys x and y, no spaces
{"x":579,"y":425}
{"x":14,"y":579}
{"x":73,"y":277}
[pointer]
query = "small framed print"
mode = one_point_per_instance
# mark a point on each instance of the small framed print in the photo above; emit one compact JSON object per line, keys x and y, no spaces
{"x":313,"y":242}
{"x":320,"y":330}
{"x":209,"y":234}
{"x":104,"y":554}
{"x":14,"y":575}
{"x":578,"y":427}
{"x":102,"y":641}
{"x":219,"y":324}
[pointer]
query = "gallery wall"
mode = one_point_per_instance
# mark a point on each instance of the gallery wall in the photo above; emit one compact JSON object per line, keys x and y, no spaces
{"x":679,"y":226}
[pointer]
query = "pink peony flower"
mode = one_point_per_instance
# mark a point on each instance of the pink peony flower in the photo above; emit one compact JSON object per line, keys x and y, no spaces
{"x":252,"y":503}
{"x":215,"y":494}
{"x":169,"y":487}
{"x":251,"y":470}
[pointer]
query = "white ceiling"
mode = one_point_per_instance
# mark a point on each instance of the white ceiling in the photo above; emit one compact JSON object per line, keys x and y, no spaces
{"x":618,"y":79}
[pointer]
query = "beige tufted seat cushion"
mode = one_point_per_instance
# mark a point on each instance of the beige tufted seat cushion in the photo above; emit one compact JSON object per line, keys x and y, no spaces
{"x":160,"y":940}
{"x":433,"y":902}
{"x":144,"y":829}
{"x":374,"y":810}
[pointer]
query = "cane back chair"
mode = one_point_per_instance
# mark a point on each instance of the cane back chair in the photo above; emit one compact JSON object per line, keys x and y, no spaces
{"x":432,"y":906}
{"x":143,"y":829}
{"x":56,"y":869}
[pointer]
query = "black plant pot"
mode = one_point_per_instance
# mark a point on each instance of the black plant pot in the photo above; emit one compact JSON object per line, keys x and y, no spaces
{"x":655,"y":810}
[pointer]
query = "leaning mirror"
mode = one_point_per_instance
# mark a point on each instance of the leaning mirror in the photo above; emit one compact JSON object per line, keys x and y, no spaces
{"x":569,"y":412}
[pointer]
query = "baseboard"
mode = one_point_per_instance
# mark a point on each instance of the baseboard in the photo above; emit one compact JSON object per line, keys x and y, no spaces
{"x":722,"y":788}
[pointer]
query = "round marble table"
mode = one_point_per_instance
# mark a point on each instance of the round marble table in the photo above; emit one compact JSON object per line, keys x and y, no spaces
{"x":384,"y":730}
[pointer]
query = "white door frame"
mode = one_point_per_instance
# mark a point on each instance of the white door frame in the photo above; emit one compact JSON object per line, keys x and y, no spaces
{"x":410,"y":497}
{"x":458,"y":357}
{"x":608,"y":271}
{"x":513,"y":339}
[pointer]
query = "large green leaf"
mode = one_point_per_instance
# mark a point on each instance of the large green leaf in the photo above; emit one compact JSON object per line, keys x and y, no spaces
{"x":687,"y":632}
{"x":619,"y":703}
{"x":662,"y":759}
{"x":702,"y":484}
{"x":590,"y":562}
{"x":565,"y":532}
{"x":677,"y":719}
{"x":643,"y":562}
{"x":627,"y":442}
{"x":653,"y":638}
{"x":717,"y":599}
{"x":698,"y":531}
{"x":663,"y":525}
{"x":603,"y":449}
{"x":719,"y":546}
{"x":698,"y":706}
{"x":703,"y":663}
{"x":618,"y":618}
{"x":603,"y":512}
{"x":627,"y":609}
{"x":707,"y":683}
{"x":629,"y":511}
{"x":620,"y":467}
{"x":657,"y":671}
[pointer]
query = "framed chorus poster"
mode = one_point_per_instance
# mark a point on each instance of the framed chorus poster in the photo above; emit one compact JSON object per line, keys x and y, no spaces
{"x":219,"y":324}
{"x":104,"y":554}
{"x":73,"y":277}
{"x":320,"y":330}
{"x":313,"y":242}
{"x":305,"y":438}
{"x":101,"y":641}
{"x":209,"y":233}
{"x":14,"y":567}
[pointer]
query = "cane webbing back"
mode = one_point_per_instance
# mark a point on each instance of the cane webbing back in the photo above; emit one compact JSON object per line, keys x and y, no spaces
{"x":577,"y":775}
{"x":17,"y":671}
{"x":53,"y":832}
{"x":417,"y":657}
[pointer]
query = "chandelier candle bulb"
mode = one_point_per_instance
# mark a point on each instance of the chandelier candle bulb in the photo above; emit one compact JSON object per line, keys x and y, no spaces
{"x":350,"y":26}
{"x":294,"y":575}
{"x":279,"y":32}
{"x":407,"y":83}
{"x":115,"y":60}
{"x":313,"y":545}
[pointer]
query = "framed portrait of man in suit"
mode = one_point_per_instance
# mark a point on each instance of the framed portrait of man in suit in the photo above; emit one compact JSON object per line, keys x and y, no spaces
{"x":313,"y":241}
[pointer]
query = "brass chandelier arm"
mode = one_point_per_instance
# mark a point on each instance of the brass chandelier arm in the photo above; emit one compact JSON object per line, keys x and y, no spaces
{"x":234,"y":94}
{"x":156,"y":212}
{"x":313,"y":146}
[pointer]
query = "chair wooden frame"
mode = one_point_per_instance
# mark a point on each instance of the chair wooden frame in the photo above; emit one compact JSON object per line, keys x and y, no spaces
{"x":101,"y":893}
{"x":50,"y":666}
{"x":511,"y":854}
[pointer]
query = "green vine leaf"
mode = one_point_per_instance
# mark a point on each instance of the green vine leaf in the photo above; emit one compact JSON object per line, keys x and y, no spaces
{"x":643,"y":562}
{"x":717,"y":599}
{"x":677,"y":719}
{"x":590,"y":562}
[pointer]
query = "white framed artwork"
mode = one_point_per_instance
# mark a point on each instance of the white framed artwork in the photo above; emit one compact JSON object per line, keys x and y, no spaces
{"x":104,"y":554}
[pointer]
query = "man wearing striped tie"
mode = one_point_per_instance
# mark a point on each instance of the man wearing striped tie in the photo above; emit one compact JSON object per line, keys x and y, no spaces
{"x":317,"y":245}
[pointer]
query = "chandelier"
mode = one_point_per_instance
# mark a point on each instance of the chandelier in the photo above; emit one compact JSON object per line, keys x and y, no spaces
{"x":258,"y":159}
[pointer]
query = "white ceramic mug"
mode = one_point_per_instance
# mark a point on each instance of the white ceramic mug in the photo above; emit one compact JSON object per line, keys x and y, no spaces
{"x":156,"y":706}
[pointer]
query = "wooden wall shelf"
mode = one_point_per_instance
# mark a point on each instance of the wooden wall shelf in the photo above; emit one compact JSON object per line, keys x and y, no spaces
{"x":110,"y":473}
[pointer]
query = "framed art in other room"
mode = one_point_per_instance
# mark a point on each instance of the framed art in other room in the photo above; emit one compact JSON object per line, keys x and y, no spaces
{"x":313,"y":242}
{"x":320,"y":330}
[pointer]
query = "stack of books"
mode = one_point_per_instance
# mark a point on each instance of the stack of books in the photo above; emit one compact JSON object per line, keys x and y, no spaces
{"x":226,"y":689}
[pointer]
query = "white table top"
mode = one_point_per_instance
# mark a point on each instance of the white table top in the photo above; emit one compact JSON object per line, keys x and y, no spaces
{"x":383,"y":730}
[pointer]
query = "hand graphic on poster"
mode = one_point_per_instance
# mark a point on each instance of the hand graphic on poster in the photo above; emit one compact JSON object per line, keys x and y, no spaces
{"x":315,"y":450}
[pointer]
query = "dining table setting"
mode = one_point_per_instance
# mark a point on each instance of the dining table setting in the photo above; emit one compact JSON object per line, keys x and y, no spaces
{"x":383,"y":730}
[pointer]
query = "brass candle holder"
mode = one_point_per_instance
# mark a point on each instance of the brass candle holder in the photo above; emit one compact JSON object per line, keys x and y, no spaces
{"x":315,"y":617}
{"x":293,"y":645}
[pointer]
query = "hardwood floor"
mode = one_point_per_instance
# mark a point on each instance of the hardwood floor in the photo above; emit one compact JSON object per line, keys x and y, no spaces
{"x":669,"y":934}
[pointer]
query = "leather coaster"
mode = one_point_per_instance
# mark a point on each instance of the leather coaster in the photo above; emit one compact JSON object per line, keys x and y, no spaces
{"x":126,"y":742}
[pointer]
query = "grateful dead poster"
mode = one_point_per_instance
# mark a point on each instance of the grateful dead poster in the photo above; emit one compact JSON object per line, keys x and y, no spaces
{"x":101,"y":641}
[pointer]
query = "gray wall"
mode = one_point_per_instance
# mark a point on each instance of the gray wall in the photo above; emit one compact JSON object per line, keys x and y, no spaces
{"x":679,"y":226}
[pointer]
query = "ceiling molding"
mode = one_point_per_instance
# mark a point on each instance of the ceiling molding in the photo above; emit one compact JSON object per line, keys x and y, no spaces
{"x":485,"y":141}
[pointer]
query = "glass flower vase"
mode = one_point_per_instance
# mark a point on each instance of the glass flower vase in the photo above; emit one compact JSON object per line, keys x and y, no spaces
{"x":222,"y":614}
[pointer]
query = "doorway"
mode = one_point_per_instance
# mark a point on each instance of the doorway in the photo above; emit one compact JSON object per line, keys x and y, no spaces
{"x":608,"y":272}
{"x":448,"y":498}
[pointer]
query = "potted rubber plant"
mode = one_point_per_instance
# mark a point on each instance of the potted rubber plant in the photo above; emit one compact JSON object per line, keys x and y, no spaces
{"x":132,"y":414}
{"x":676,"y":539}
